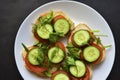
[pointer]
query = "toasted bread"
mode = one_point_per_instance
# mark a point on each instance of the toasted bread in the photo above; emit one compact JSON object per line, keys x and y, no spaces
{"x":84,"y":26}
{"x":24,"y":55}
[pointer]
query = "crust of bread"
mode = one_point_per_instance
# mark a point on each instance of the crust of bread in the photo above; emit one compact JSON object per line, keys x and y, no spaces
{"x":84,"y":26}
{"x":90,"y":70}
{"x":23,"y":55}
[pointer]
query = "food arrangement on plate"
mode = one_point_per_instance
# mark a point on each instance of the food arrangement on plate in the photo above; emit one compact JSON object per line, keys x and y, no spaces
{"x":50,"y":58}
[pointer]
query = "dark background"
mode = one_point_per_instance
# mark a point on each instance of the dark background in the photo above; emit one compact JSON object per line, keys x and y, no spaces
{"x":12,"y":14}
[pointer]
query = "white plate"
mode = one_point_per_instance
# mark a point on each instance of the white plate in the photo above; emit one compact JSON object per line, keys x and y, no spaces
{"x":78,"y":12}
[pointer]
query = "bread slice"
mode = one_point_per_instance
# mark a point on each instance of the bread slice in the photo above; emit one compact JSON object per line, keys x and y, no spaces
{"x":55,"y":13}
{"x":24,"y":55}
{"x":84,"y":26}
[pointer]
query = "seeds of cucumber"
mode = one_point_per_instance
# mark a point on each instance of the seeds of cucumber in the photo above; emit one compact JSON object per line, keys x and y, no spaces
{"x":33,"y":55}
{"x":91,"y":53}
{"x":56,"y":55}
{"x":44,"y":31}
{"x":78,"y":70}
{"x":81,"y":37}
{"x":61,"y":76}
{"x":62,"y":26}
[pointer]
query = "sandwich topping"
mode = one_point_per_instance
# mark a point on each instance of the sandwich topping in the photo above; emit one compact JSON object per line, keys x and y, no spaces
{"x":49,"y":57}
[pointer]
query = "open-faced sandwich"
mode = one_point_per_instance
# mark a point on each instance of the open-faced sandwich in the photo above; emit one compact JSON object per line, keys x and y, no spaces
{"x":44,"y":59}
{"x":51,"y":26}
{"x":92,"y":49}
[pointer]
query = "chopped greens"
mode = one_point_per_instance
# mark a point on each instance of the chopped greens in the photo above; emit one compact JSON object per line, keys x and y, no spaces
{"x":70,"y":60}
{"x":108,"y":46}
{"x":55,"y":36}
{"x":46,"y":19}
{"x":48,"y":74}
{"x":75,"y":52}
{"x":26,"y":49}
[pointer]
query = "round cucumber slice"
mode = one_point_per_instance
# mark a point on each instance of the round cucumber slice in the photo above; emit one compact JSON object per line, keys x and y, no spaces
{"x":44,"y":31}
{"x":62,"y":26}
{"x":61,"y":76}
{"x":81,"y":37}
{"x":33,"y":55}
{"x":91,"y":53}
{"x":78,"y":70}
{"x":55,"y":55}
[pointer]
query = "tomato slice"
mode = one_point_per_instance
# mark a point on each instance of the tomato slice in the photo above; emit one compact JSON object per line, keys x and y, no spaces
{"x":57,"y":17}
{"x":58,"y":72}
{"x":39,"y":38}
{"x":101,"y":53}
{"x":59,"y":44}
{"x":33,"y":68}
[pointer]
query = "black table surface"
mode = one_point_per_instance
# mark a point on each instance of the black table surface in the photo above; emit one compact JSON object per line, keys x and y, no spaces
{"x":12,"y":14}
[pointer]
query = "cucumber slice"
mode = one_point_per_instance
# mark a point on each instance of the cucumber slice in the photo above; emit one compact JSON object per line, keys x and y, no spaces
{"x":44,"y":31}
{"x":55,"y":55}
{"x":78,"y":70}
{"x":33,"y":56}
{"x":91,"y":53}
{"x":62,"y":26}
{"x":61,"y":76}
{"x":81,"y":37}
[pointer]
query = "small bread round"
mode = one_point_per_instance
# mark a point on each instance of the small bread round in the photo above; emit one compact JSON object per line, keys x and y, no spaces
{"x":84,"y":26}
{"x":24,"y":55}
{"x":56,"y":13}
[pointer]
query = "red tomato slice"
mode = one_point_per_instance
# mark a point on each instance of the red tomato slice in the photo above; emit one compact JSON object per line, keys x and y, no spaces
{"x":58,"y":72}
{"x":101,"y":53}
{"x":57,"y":17}
{"x":39,"y":38}
{"x":60,"y":45}
{"x":33,"y":68}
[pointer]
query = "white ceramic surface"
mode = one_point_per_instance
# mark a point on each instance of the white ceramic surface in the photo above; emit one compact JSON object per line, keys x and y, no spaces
{"x":78,"y":12}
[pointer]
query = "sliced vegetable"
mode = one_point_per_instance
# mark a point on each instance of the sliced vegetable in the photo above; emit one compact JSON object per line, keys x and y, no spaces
{"x":60,"y":75}
{"x":62,"y":26}
{"x":78,"y":70}
{"x":91,"y":53}
{"x":56,"y":54}
{"x":81,"y":37}
{"x":34,"y":68}
{"x":44,"y":31}
{"x":57,"y":17}
{"x":35,"y":57}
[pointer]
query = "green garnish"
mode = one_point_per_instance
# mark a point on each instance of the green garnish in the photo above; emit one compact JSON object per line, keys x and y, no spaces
{"x":103,"y":35}
{"x":55,"y":36}
{"x":46,"y":19}
{"x":75,"y":52}
{"x":70,"y":61}
{"x":48,"y":74}
{"x":95,"y":31}
{"x":26,"y":49}
{"x":108,"y":46}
